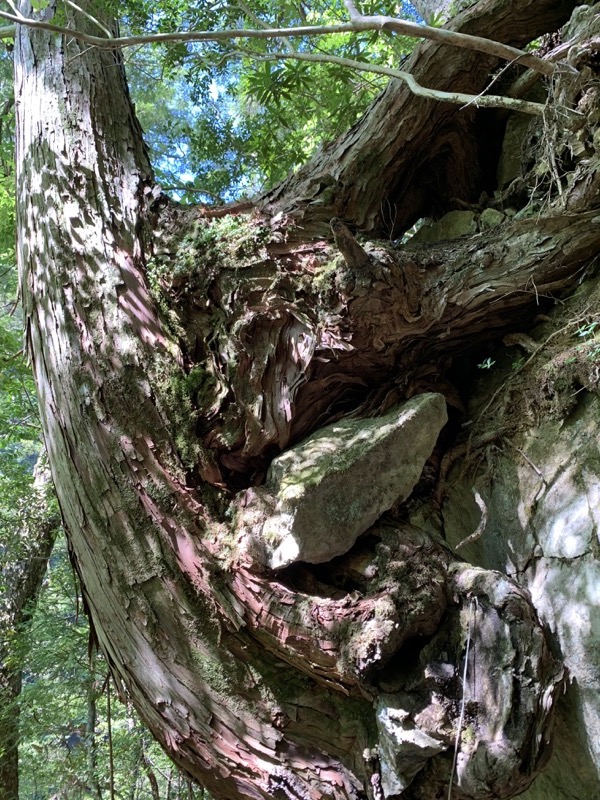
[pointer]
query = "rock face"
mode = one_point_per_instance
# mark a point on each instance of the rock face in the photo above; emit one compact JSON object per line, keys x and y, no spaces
{"x":455,"y":224}
{"x":491,"y":657}
{"x":510,"y":164}
{"x":543,"y":529}
{"x":489,"y":218}
{"x":452,"y":225}
{"x":404,"y":748}
{"x":332,"y":487}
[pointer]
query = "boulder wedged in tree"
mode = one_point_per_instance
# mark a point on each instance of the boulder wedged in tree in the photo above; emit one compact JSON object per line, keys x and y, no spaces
{"x":330,"y":488}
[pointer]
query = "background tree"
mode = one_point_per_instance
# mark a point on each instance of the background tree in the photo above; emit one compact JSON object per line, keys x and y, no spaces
{"x":28,"y":529}
{"x":28,"y":522}
{"x":261,"y":675}
{"x":69,"y":746}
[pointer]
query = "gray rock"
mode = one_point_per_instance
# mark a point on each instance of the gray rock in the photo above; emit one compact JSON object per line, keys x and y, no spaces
{"x":489,"y":218}
{"x":403,"y":747}
{"x":543,"y":528}
{"x":452,"y":225}
{"x":333,"y":486}
{"x":513,"y":146}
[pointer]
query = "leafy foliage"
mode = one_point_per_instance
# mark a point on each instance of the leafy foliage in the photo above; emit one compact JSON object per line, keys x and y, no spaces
{"x":246,"y":118}
{"x":198,"y":150}
{"x":19,"y":428}
{"x":19,"y":432}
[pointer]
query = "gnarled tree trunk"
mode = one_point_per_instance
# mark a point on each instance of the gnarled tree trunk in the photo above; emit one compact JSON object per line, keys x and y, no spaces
{"x":176,"y":356}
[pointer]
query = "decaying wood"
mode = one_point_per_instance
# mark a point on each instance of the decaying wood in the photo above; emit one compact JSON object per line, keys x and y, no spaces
{"x":354,"y":255}
{"x":173,"y":362}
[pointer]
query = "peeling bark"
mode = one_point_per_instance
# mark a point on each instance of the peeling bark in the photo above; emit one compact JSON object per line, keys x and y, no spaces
{"x":175,"y":358}
{"x":313,"y":338}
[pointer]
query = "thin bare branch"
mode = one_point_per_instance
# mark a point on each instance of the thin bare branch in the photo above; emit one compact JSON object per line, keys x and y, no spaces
{"x":371,"y":23}
{"x":181,"y":187}
{"x":91,"y":18}
{"x":458,"y":98}
{"x":16,"y":11}
{"x":477,"y":533}
{"x":352,"y":10}
{"x":256,"y":19}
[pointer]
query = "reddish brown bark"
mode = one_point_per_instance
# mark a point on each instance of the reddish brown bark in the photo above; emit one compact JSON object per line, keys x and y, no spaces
{"x":360,"y":339}
{"x":268,"y":685}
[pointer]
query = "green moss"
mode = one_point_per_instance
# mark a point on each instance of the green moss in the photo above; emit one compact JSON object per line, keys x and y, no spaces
{"x":162,"y":494}
{"x":283,"y":684}
{"x":212,"y":245}
{"x":323,"y":278}
{"x":159,"y":279}
{"x":177,"y":391}
{"x":356,"y":717}
{"x":468,"y":735}
{"x":212,"y":672}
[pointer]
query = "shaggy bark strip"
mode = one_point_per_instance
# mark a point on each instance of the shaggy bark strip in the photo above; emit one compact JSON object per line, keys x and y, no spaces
{"x":305,"y":334}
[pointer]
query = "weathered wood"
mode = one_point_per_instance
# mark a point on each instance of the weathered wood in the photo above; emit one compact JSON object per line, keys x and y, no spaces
{"x":302,"y":331}
{"x":259,"y":685}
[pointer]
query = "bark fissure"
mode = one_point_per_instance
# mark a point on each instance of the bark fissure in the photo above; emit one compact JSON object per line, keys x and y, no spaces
{"x":396,"y":317}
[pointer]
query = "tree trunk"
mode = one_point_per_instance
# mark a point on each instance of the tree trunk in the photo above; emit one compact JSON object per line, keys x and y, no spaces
{"x":24,"y":558}
{"x":175,"y":357}
{"x":434,"y":9}
{"x":10,"y":689}
{"x":91,"y":744}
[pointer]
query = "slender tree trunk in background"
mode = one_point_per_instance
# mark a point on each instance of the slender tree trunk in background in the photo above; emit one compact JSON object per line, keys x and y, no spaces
{"x":90,"y":728}
{"x":135,"y":759}
{"x":336,"y":682}
{"x":154,"y":789}
{"x":23,"y":564}
{"x":169,"y":784}
{"x":10,"y":689}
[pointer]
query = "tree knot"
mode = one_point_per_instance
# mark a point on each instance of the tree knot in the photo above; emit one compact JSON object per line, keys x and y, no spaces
{"x":355,"y":256}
